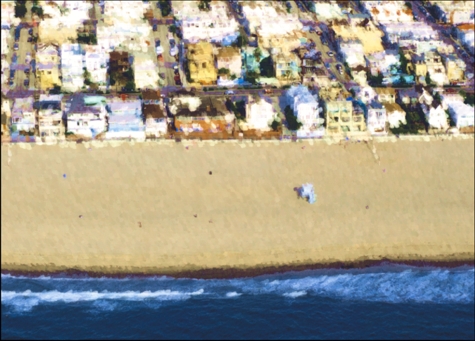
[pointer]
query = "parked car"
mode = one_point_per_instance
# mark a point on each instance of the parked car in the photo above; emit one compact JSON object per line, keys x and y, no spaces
{"x":15,"y":46}
{"x":12,"y":73}
{"x":268,"y":91}
{"x":229,"y":92}
{"x":14,"y":58}
{"x":158,"y":47}
{"x":30,"y":31}
{"x":178,"y":82}
{"x":319,"y":33}
{"x":11,"y":82}
{"x":176,"y":71}
{"x":330,"y":53}
{"x":33,"y":65}
{"x":26,"y":82}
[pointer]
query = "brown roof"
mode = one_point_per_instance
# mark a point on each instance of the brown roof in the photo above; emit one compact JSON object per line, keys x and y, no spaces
{"x":391,"y":107}
{"x":227,"y":52}
{"x":153,"y":110}
{"x":118,"y":55}
{"x":210,"y":106}
{"x":151,"y":94}
{"x":385,"y":91}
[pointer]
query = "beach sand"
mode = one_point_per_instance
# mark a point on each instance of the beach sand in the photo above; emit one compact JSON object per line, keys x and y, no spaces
{"x":155,"y":209}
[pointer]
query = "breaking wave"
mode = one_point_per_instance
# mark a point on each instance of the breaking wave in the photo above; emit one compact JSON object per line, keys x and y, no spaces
{"x":395,"y":284}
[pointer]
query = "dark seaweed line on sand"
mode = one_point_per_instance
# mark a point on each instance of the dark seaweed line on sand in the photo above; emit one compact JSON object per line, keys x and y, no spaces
{"x":229,"y":273}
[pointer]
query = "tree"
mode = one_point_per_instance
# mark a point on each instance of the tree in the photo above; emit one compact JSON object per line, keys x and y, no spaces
{"x":267,"y":67}
{"x":38,"y":10}
{"x":172,"y":29}
{"x":275,"y":125}
{"x":257,"y":54}
{"x":20,"y":9}
{"x":402,"y":80}
{"x":292,"y":121}
{"x":403,"y":60}
{"x":204,"y":5}
{"x":252,"y":76}
{"x":224,"y":71}
{"x":87,"y":76}
{"x":165,"y":8}
{"x":408,"y":4}
{"x":428,"y":79}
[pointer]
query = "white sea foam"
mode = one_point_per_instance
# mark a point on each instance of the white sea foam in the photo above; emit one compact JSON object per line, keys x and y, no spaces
{"x":295,"y":294}
{"x":233,"y":294}
{"x":27,"y":299}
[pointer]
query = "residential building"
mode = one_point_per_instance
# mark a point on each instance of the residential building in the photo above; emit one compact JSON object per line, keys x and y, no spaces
{"x":462,"y":114}
{"x":366,"y":95}
{"x":156,"y":124}
{"x":455,"y":12}
{"x":314,"y":74}
{"x":466,"y":34}
{"x":201,"y":114}
{"x":8,"y":14}
{"x":86,"y":115}
{"x":201,"y":63}
{"x":435,"y":114}
{"x":215,"y":25}
{"x":382,"y":62}
{"x":72,"y":56}
{"x":409,"y":31}
{"x":49,"y":117}
{"x":250,"y":63}
{"x":395,"y":114}
{"x":389,"y":11}
{"x":95,"y":62}
{"x":260,"y":113}
{"x":23,"y":117}
{"x":435,"y":68}
{"x":353,"y":52}
{"x":327,"y":11}
{"x":6,"y":115}
{"x":230,"y":58}
{"x":418,"y":64}
{"x":386,"y":95}
{"x":124,"y":118}
{"x":145,"y":71}
{"x":305,"y":107}
{"x":359,"y":74}
{"x":376,"y":121}
{"x":408,"y":98}
{"x":47,"y":66}
{"x":287,"y":67}
{"x":455,"y":68}
{"x":340,"y":118}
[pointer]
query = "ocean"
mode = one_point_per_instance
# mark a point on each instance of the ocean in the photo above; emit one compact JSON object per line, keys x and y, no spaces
{"x":382,"y":302}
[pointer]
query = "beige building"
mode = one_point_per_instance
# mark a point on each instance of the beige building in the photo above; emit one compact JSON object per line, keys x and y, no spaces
{"x":287,"y":67}
{"x":47,"y":66}
{"x":201,"y":63}
{"x":230,"y":58}
{"x":455,"y":68}
{"x":340,"y":119}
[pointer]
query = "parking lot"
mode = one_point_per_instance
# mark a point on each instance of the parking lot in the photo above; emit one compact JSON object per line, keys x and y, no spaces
{"x":21,"y":75}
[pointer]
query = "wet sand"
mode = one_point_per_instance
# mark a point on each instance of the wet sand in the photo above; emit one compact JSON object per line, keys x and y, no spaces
{"x":156,"y":209}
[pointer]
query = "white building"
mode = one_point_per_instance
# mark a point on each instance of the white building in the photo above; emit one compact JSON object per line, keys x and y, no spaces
{"x":86,"y":115}
{"x":435,"y":115}
{"x":259,"y":114}
{"x":388,"y":11}
{"x":23,"y":116}
{"x":306,"y":109}
{"x":376,"y":119}
{"x":397,"y":31}
{"x":462,"y":114}
{"x":95,"y":61}
{"x":215,"y":25}
{"x":353,"y":52}
{"x":381,"y":62}
{"x":50,"y":123}
{"x":396,"y":115}
{"x":72,"y":67}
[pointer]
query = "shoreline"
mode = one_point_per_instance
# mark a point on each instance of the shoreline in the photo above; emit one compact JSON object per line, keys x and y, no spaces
{"x":235,"y":273}
{"x":78,"y":207}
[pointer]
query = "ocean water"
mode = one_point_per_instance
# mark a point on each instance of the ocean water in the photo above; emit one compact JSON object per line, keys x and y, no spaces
{"x":385,"y":302}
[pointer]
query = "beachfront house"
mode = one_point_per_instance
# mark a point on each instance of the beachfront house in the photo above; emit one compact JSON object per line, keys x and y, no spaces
{"x":462,"y":114}
{"x":377,"y":119}
{"x":124,"y":118}
{"x":86,"y":115}
{"x":259,"y":114}
{"x":435,"y":115}
{"x":49,"y":117}
{"x":207,"y":115}
{"x":23,"y":117}
{"x":72,"y":56}
{"x":47,"y":66}
{"x":156,"y":123}
{"x":396,"y":115}
{"x":306,"y":108}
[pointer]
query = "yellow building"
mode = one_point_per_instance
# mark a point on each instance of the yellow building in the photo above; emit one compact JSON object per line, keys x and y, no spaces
{"x":419,"y":65}
{"x":455,"y":68}
{"x":47,"y":66}
{"x":201,"y":63}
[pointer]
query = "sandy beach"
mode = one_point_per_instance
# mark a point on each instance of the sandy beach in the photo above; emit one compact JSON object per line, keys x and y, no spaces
{"x":146,"y":208}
